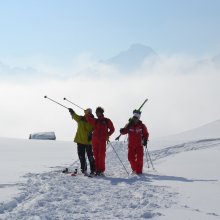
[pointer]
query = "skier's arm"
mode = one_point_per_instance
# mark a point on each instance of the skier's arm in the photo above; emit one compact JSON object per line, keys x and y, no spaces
{"x":90,"y":119}
{"x":110,"y":127}
{"x":126,"y":127}
{"x":74,"y":116}
{"x":124,"y":130}
{"x":145,"y":135}
{"x":145,"y":132}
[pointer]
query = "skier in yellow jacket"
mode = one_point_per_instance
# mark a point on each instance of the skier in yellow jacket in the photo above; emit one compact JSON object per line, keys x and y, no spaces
{"x":83,"y":140}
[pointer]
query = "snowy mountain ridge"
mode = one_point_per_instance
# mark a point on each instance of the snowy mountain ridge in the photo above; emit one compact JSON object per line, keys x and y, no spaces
{"x":131,"y":59}
{"x":207,"y":131}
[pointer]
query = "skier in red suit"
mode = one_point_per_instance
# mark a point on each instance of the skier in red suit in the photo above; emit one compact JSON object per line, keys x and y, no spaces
{"x":137,"y":137}
{"x":103,"y":129}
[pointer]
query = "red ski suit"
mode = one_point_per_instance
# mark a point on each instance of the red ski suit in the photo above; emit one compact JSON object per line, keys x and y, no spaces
{"x":103,"y":128}
{"x":136,"y":134}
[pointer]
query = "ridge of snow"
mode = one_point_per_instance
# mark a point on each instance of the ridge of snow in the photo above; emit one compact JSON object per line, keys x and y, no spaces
{"x":205,"y":132}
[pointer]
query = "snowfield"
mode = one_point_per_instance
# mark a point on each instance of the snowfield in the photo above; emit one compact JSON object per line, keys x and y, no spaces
{"x":185,"y":184}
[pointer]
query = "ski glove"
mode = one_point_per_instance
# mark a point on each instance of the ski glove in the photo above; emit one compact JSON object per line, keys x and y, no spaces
{"x":121,"y":130}
{"x":107,"y":139}
{"x":145,"y":142}
{"x":71,"y":111}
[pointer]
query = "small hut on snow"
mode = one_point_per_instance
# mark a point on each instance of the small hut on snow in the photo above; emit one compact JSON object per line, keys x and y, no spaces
{"x":43,"y":136}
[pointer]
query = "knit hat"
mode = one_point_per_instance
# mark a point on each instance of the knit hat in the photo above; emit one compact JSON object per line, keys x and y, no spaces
{"x":99,"y":109}
{"x":89,"y":110}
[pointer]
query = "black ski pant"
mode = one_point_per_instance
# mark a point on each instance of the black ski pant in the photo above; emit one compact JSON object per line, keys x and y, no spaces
{"x":82,"y":150}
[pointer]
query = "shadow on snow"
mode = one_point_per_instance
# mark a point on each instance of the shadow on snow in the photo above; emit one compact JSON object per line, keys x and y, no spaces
{"x":151,"y":177}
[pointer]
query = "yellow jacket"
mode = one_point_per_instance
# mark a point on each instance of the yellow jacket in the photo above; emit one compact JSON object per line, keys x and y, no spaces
{"x":83,"y":130}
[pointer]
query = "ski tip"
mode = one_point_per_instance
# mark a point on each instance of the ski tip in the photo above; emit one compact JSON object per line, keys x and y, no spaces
{"x":45,"y":96}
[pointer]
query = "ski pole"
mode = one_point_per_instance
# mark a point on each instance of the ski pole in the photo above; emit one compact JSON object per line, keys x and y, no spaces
{"x":150,"y":159}
{"x":73,"y":103}
{"x":147,"y":158}
{"x":117,"y":138}
{"x":126,"y":137}
{"x":54,"y":101}
{"x":118,"y":157}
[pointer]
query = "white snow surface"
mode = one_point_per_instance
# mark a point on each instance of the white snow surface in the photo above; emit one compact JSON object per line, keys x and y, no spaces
{"x":184,"y":185}
{"x":207,"y":131}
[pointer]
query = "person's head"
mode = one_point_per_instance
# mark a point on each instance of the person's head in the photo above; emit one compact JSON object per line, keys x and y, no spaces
{"x":136,"y":115}
{"x":89,"y":110}
{"x":99,"y":111}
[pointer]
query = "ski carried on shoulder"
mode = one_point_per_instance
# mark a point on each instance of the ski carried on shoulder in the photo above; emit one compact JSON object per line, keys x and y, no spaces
{"x":129,"y":121}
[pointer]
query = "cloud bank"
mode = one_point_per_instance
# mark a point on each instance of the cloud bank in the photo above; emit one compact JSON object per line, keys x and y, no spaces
{"x":183,"y":93}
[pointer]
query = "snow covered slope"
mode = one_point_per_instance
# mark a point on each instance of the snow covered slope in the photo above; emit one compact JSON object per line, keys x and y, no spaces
{"x":205,"y":132}
{"x":19,"y":157}
{"x":185,"y":185}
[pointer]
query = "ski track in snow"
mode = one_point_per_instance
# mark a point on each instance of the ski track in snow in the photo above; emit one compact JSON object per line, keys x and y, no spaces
{"x":54,"y":195}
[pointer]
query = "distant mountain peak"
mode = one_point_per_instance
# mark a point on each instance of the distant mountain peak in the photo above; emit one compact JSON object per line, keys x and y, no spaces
{"x":141,"y":47}
{"x":132,"y":58}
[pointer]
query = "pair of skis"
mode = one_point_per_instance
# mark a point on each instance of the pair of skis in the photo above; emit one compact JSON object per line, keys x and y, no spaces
{"x":74,"y":173}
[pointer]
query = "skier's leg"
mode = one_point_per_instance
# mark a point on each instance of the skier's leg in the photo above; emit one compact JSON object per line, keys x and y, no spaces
{"x":102,"y":155}
{"x":140,"y":155}
{"x":82,"y":158}
{"x":97,"y":159}
{"x":131,"y":157}
{"x":95,"y":153}
{"x":90,"y":158}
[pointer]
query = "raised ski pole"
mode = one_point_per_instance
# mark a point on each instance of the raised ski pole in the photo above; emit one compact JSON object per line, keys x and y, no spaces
{"x":117,"y":138}
{"x":55,"y":101}
{"x":73,"y":103}
{"x":118,"y":157}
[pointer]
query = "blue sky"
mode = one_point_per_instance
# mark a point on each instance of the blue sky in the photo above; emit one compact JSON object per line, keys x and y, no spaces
{"x":60,"y":30}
